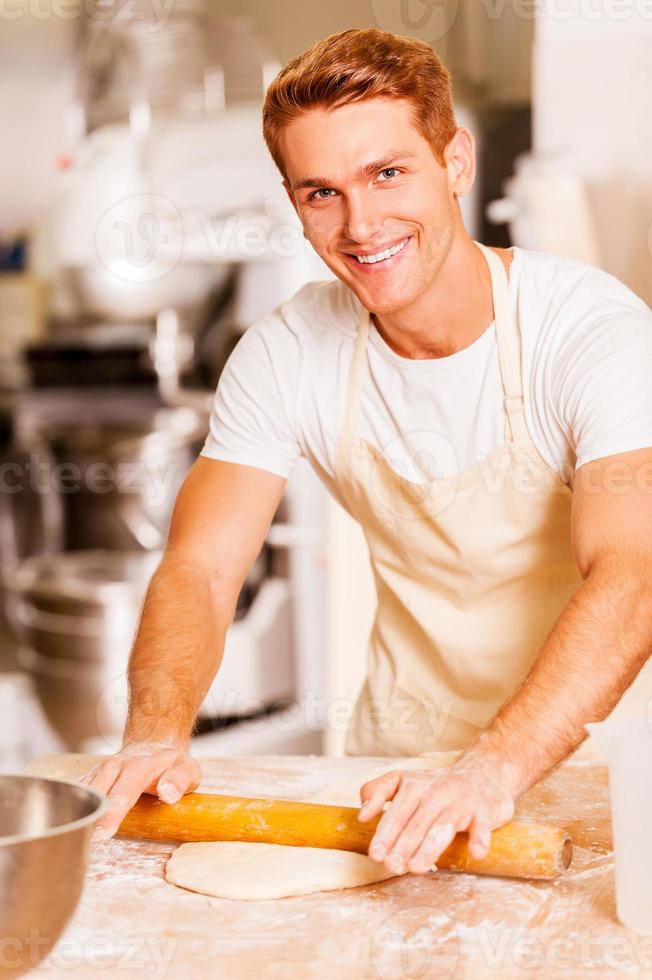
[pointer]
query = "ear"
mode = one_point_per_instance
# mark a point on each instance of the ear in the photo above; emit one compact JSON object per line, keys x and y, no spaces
{"x":461,"y":161}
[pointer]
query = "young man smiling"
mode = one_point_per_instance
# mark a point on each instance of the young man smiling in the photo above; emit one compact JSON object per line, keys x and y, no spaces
{"x":468,"y":406}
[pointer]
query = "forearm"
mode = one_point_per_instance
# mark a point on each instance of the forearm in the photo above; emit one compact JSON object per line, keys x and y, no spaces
{"x":598,"y":645}
{"x":177,"y":651}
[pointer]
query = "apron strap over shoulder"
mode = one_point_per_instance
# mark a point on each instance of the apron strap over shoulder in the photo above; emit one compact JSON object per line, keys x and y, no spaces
{"x":349,"y":426}
{"x":509,"y":346}
{"x":509,"y":355}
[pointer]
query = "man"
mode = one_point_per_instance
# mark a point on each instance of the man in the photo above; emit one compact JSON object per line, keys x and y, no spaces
{"x":514,"y":575}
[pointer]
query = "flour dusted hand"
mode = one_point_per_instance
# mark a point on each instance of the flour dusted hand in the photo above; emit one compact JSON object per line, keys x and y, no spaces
{"x":164,"y":770}
{"x":427,"y":810}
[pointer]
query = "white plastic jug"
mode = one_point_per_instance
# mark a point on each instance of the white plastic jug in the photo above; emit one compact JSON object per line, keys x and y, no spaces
{"x":627,"y":745}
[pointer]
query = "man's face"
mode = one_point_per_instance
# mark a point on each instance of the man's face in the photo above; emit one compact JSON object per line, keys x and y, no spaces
{"x":364,"y":181}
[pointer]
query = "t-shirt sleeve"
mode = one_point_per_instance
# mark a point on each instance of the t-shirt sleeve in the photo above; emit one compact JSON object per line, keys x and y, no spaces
{"x":253,"y":418}
{"x":604,"y":382}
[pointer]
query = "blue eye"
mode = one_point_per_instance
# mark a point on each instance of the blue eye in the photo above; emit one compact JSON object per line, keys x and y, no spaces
{"x":389,"y":170}
{"x":322,"y":190}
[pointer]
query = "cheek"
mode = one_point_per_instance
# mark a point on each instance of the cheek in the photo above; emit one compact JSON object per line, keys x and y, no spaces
{"x":319,"y":223}
{"x":412,"y":195}
{"x":422,"y":204}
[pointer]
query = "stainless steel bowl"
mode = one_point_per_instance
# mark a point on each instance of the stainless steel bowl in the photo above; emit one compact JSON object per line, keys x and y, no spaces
{"x":75,"y":616}
{"x":81,"y":701}
{"x":45,"y":832}
{"x":82,"y":606}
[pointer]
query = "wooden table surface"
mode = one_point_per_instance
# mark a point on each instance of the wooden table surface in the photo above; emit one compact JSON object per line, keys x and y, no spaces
{"x":132,"y":923}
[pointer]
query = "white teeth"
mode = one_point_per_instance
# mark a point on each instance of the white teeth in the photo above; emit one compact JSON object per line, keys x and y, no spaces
{"x":380,"y":256}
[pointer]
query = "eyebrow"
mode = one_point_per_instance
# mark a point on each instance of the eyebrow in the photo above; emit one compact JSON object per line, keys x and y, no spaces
{"x":365,"y":171}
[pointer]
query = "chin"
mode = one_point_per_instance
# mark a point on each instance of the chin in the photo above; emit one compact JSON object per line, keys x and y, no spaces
{"x":388,"y":304}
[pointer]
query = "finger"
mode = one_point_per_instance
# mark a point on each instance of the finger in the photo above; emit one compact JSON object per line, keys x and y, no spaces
{"x":89,"y":775}
{"x":436,"y":840}
{"x":479,"y":836}
{"x":142,"y":774}
{"x":181,"y":777}
{"x":411,"y":837}
{"x":377,"y":792}
{"x":103,"y":776}
{"x":126,"y":790}
{"x":391,"y":824}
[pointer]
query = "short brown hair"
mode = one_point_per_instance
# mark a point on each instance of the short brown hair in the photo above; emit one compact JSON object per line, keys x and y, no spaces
{"x":357,"y":65}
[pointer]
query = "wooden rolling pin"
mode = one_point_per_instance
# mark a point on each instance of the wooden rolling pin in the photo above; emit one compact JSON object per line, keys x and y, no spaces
{"x":517,"y":850}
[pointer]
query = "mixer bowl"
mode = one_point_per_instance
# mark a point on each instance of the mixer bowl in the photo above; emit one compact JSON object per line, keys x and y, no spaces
{"x":140,"y":293}
{"x":45,"y":832}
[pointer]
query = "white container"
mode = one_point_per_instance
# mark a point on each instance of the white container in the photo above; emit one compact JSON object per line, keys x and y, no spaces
{"x":627,"y":745}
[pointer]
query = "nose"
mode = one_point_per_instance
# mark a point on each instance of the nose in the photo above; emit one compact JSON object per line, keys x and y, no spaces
{"x":363,"y":222}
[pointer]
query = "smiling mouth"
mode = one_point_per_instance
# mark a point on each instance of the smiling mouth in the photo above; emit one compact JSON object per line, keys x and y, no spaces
{"x":381,"y":256}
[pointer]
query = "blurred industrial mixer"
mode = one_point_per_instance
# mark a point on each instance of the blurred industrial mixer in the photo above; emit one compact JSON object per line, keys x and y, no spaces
{"x":171,"y":235}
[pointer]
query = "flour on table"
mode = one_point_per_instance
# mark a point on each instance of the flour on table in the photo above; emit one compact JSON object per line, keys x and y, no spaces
{"x":254,"y":871}
{"x":249,"y":871}
{"x":346,"y":792}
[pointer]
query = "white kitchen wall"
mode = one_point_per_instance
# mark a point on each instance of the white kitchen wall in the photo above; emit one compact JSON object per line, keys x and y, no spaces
{"x":591,"y":92}
{"x":35,"y":57}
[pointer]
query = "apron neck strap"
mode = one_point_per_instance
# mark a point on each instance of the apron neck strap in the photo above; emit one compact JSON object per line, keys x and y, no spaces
{"x":509,"y":356}
{"x":509,"y":345}
{"x":354,"y":386}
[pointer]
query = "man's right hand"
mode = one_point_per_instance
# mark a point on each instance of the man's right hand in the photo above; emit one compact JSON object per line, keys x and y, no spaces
{"x":141,"y":767}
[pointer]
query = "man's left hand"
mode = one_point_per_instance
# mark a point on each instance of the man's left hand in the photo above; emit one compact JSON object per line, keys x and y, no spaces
{"x":428,"y":808}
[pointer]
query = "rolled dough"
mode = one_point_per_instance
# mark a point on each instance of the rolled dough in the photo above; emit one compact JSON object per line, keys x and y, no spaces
{"x":238,"y":870}
{"x":250,"y":871}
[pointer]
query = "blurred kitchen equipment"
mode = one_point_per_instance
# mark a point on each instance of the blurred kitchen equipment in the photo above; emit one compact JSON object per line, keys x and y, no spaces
{"x":91,"y":353}
{"x":167,"y":181}
{"x":189,"y":63}
{"x":76,"y":615}
{"x":14,"y":741}
{"x":172,"y":351}
{"x":169,"y":195}
{"x":45,"y":832}
{"x":76,"y":606}
{"x":627,"y":745}
{"x":123,"y":290}
{"x":547,"y":208}
{"x":165,"y":121}
{"x":22,"y":321}
{"x":31,"y":521}
{"x":24,"y":729}
{"x":126,"y":476}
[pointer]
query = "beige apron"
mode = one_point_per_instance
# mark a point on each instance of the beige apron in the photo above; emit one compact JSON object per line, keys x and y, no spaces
{"x":471,"y":571}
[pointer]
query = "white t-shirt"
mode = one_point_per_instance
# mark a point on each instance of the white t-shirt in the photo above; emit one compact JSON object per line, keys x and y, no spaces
{"x":586,"y":349}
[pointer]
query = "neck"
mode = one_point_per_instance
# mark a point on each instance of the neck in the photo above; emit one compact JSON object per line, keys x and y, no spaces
{"x":451,"y":313}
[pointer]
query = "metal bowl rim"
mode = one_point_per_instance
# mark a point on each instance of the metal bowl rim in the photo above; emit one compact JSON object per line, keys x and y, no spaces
{"x":23,"y":579}
{"x":103,"y":806}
